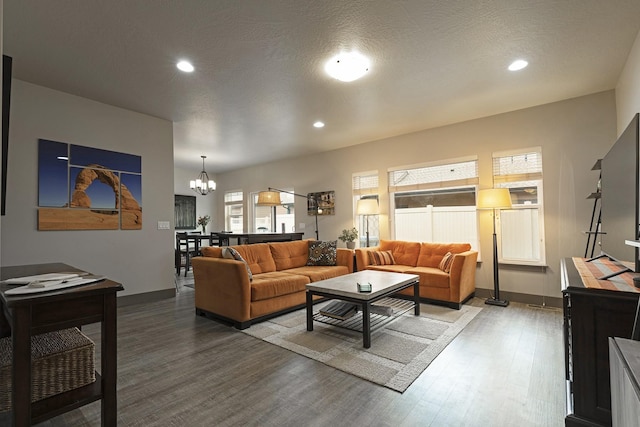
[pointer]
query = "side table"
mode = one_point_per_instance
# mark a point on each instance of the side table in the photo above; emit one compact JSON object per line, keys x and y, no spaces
{"x":27,"y":315}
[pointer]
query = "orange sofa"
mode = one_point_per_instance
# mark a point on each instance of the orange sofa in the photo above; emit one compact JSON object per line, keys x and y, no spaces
{"x":225,"y":291}
{"x":452,"y":288}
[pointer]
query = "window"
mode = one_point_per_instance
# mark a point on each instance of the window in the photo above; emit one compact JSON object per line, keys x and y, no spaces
{"x":436,"y":202}
{"x":365,"y":186}
{"x":233,"y":211}
{"x":274,"y":219}
{"x":521,"y":228}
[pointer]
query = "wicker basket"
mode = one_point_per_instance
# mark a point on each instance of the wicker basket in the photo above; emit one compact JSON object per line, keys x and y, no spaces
{"x":60,"y":361}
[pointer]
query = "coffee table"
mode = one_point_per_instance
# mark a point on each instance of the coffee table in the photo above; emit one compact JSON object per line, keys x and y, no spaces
{"x":384,"y":284}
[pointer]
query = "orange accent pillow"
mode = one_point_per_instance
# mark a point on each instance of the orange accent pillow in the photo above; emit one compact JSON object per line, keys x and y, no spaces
{"x":381,"y":258}
{"x":445,"y":264}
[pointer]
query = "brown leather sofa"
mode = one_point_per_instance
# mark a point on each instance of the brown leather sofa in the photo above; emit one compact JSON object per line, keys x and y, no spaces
{"x":225,"y":291}
{"x":451,"y":288}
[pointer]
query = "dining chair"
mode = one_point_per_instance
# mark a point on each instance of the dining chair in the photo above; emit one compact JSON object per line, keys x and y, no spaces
{"x":184,"y":253}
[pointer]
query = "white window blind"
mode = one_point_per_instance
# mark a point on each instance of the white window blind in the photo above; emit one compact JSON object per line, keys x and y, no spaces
{"x":365,"y":183}
{"x":445,"y":175}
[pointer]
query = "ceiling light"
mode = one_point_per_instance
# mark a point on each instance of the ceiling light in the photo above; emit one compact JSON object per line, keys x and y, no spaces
{"x":202,"y":184}
{"x":185,"y":66}
{"x":347,"y":66}
{"x":518,"y":64}
{"x":318,"y":125}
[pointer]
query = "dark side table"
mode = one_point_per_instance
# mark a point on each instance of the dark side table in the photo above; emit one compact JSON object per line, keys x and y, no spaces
{"x":23,"y":316}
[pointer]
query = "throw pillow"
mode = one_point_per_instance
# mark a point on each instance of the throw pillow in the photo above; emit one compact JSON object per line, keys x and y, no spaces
{"x":322,"y":253}
{"x":231,"y":253}
{"x":381,"y":258}
{"x":445,"y":264}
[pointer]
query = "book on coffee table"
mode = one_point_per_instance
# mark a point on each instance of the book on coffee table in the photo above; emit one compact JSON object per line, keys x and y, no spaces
{"x":340,"y":310}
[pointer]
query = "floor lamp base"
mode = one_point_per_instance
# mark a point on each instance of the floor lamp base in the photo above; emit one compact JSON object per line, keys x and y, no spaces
{"x":498,"y":302}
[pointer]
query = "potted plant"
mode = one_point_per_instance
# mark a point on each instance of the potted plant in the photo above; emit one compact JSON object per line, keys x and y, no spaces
{"x":203,"y":221}
{"x":349,"y":236}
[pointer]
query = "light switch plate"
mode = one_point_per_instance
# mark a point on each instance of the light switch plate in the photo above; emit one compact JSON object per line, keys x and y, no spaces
{"x":164,"y":225}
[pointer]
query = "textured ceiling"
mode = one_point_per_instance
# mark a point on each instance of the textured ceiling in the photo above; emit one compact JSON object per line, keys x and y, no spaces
{"x":259,"y":82}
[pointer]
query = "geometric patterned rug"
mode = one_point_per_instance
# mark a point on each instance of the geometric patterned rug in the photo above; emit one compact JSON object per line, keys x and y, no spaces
{"x":400,"y":351}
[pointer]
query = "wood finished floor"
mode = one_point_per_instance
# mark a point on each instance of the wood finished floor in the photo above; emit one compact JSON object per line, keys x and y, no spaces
{"x":176,"y":369}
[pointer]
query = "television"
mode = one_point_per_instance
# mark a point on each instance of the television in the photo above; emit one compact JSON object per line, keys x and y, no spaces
{"x":6,"y":103}
{"x":620,"y":209}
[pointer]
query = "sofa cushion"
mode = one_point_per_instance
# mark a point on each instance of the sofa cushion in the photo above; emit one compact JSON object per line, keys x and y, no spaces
{"x":381,"y":258}
{"x":405,"y":253}
{"x":322,"y":253}
{"x":432,"y":253}
{"x":316,"y":273}
{"x":258,"y":256}
{"x":211,"y":251}
{"x":445,"y":263}
{"x":289,"y":254}
{"x":276,"y":283}
{"x":431,"y":277}
{"x":230,"y":253}
{"x":396,"y":268}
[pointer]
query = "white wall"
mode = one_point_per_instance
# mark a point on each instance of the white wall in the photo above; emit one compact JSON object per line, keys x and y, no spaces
{"x":573,"y":134}
{"x":142,"y":260}
{"x":628,"y":88}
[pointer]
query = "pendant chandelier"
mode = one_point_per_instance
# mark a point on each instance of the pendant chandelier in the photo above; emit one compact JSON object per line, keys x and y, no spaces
{"x":202,"y":184}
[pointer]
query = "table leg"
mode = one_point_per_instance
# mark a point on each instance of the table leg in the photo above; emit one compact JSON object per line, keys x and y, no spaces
{"x":416,"y":298}
{"x":21,"y":369}
{"x":109,"y":361}
{"x":309,"y":311}
{"x":366,"y":325}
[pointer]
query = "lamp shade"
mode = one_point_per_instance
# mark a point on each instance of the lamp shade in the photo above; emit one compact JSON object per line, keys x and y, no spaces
{"x":269,"y":198}
{"x":367,"y":207}
{"x":494,"y":198}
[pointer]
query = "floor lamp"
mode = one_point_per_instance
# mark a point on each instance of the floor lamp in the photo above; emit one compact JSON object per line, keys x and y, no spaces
{"x":272,"y":198}
{"x":367,"y":207}
{"x":495,"y":198}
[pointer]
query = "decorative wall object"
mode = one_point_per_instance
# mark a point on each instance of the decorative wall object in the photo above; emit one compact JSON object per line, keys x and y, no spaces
{"x":185,"y":212}
{"x":84,"y":188}
{"x":325,"y":203}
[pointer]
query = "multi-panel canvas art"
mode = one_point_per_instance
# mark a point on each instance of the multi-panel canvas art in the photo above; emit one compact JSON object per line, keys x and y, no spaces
{"x":84,"y":188}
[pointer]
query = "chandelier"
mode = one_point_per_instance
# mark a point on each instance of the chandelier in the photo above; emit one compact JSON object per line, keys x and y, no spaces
{"x":202,"y":184}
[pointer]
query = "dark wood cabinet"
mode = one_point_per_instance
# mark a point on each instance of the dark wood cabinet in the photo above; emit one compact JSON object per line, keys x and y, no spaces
{"x":591,"y":316}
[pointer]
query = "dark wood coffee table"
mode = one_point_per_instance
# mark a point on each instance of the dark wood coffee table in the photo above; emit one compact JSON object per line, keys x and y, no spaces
{"x":384,"y":284}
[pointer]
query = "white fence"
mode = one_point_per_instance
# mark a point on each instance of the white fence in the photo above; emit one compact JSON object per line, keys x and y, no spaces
{"x":438,"y":224}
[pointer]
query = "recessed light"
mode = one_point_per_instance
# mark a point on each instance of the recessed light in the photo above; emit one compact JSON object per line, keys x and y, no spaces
{"x":318,"y":125}
{"x":347,"y":66}
{"x":518,"y":64}
{"x":185,"y":66}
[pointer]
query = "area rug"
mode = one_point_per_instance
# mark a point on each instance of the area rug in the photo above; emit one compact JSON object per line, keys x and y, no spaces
{"x":399,"y":353}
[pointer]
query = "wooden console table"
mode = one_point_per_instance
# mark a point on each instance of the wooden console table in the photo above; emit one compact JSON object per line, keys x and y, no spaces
{"x":591,"y":316}
{"x":25,"y":315}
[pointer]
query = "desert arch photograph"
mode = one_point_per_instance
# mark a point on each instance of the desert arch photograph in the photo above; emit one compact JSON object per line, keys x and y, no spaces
{"x":85,"y":188}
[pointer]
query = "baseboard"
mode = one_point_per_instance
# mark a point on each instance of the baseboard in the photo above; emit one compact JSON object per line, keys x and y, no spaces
{"x":540,"y":300}
{"x":146,"y":297}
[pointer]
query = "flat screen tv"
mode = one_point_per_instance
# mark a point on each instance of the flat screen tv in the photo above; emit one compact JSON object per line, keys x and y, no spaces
{"x":620,"y":200}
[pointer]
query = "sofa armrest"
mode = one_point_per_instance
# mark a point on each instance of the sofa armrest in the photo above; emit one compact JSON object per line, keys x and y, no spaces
{"x":362,"y":257}
{"x":345,"y":257}
{"x":222,"y":287}
{"x":462,"y":279}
